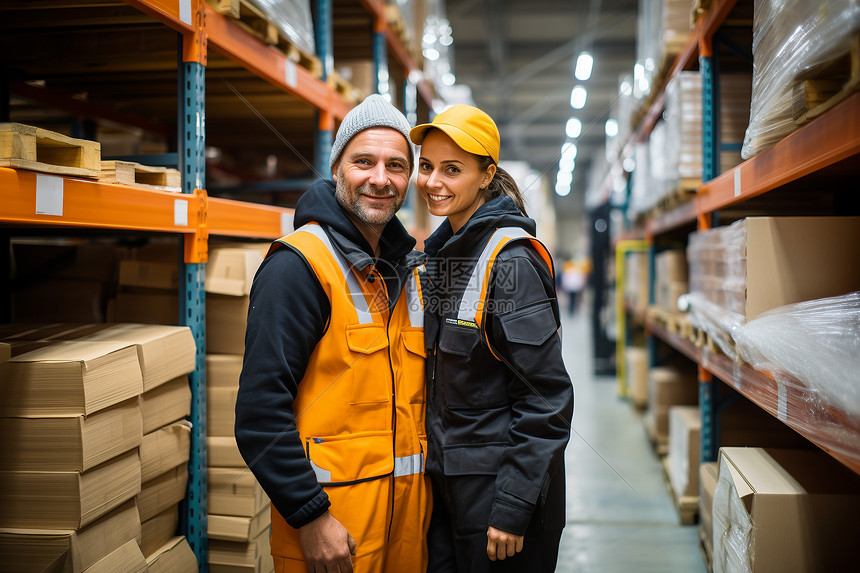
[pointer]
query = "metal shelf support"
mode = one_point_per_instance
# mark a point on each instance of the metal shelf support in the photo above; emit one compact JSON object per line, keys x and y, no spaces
{"x":325,"y":52}
{"x":380,"y":60}
{"x":192,"y":305}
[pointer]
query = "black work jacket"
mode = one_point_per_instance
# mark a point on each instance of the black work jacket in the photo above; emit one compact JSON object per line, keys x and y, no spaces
{"x":506,"y":415}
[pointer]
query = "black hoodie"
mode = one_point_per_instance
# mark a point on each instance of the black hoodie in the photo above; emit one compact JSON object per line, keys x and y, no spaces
{"x":497,"y":427}
{"x":288,"y":315}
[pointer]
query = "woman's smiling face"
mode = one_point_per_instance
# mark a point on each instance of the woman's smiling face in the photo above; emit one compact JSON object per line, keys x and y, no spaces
{"x":450,"y":179}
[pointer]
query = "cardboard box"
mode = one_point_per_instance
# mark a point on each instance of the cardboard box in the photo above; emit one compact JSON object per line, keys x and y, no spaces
{"x":775,"y":261}
{"x":67,"y":500}
{"x":708,"y":474}
{"x":158,"y":530}
{"x":146,"y":307}
{"x":668,"y":386}
{"x":685,"y":425}
{"x":164,"y":449}
{"x":786,"y":511}
{"x":236,"y":557}
{"x":126,"y":559}
{"x":231,"y":270}
{"x":226,"y":318}
{"x":235,"y":491}
{"x":224,"y":452}
{"x":70,"y":443}
{"x":243,"y":529}
{"x":69,"y":378}
{"x":147,"y":274}
{"x":223,"y":370}
{"x":360,"y":73}
{"x":221,"y":411}
{"x":175,"y":556}
{"x":166,"y":404}
{"x":68,"y":551}
{"x":160,"y":493}
{"x":637,"y":375}
{"x":164,"y":352}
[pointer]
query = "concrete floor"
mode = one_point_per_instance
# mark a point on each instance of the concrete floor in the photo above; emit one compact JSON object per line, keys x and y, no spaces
{"x":620,"y":517}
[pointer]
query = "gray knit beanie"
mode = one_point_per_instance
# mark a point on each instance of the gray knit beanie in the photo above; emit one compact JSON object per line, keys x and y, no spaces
{"x":374,"y":111}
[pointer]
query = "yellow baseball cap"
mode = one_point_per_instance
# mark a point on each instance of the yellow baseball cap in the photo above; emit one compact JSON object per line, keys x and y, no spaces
{"x":470,"y":128}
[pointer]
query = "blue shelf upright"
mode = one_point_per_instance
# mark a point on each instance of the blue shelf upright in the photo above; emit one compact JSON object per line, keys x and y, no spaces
{"x":192,"y":294}
{"x":325,"y":52}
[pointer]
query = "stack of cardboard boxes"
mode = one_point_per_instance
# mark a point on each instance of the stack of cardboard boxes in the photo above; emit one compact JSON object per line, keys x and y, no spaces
{"x":86,"y":444}
{"x":239,"y":514}
{"x":670,"y":278}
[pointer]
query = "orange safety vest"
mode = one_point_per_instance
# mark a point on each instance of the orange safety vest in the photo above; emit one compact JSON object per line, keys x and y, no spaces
{"x":360,"y":414}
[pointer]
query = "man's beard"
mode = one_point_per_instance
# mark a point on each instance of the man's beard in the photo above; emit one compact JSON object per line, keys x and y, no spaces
{"x":351,"y":203}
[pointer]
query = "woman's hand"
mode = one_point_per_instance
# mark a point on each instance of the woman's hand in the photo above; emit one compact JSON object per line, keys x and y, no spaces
{"x":501,"y":544}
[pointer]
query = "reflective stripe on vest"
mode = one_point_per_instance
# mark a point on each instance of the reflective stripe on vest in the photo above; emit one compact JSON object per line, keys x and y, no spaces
{"x":414,"y":301}
{"x":408,"y":465}
{"x":360,"y":303}
{"x":471,"y":304}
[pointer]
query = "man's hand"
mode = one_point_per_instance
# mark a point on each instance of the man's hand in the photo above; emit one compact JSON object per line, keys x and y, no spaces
{"x":501,"y":544}
{"x":327,"y":545}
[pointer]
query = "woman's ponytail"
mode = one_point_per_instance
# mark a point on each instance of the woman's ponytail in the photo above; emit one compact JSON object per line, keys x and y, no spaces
{"x":502,"y":184}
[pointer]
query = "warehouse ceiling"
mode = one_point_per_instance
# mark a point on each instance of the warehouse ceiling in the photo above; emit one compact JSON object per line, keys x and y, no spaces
{"x":518,"y":57}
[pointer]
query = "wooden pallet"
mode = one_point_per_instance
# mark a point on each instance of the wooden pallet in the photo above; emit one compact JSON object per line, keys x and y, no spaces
{"x":686,"y":506}
{"x":397,"y":23}
{"x":36,"y":149}
{"x":255,"y":22}
{"x":347,"y":91}
{"x":141,"y":176}
{"x":673,"y":322}
{"x":822,"y":87}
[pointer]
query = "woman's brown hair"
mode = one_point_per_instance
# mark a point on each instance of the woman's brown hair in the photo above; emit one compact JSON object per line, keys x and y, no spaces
{"x":502,"y":184}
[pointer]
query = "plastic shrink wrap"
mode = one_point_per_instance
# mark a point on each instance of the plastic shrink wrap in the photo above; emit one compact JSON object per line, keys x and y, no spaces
{"x":293,"y":18}
{"x":816,"y":342}
{"x":790,"y":39}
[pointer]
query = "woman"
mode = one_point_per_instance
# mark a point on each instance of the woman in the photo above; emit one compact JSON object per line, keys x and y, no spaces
{"x":499,"y":399}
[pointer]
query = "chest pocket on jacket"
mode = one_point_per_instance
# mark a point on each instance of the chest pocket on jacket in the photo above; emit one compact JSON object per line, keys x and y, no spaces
{"x":370,"y":380}
{"x":459,"y":370}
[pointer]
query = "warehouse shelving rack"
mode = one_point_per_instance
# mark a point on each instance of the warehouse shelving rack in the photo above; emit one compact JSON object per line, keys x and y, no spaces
{"x":34,"y":200}
{"x":830,"y":144}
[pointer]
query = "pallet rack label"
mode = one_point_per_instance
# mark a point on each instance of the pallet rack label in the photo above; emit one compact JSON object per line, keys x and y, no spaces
{"x":49,"y":195}
{"x":291,"y":75}
{"x":185,"y":11}
{"x":180,"y":213}
{"x":737,"y":182}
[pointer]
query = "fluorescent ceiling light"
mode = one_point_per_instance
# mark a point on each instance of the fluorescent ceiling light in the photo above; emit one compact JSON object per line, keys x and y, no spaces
{"x":584,"y":64}
{"x":611,"y":127}
{"x":578,"y":97}
{"x":565,"y":177}
{"x":562,"y":189}
{"x":568,"y":150}
{"x":573,"y":128}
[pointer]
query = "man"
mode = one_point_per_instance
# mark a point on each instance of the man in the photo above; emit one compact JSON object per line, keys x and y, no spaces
{"x":330,"y":413}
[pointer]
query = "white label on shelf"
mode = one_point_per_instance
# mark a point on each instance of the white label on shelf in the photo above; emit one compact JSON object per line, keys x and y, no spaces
{"x":781,"y":401}
{"x":286,"y":223}
{"x":737,"y":181}
{"x":291,"y":75}
{"x":185,"y":11}
{"x":49,"y":195}
{"x":180,"y":212}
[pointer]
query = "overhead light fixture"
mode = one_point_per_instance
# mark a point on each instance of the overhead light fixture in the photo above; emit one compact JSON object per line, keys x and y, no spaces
{"x":573,"y":128}
{"x":562,"y":189}
{"x":567,"y":164}
{"x":611,"y":127}
{"x":568,"y":150}
{"x":584,"y":64}
{"x":449,"y":79}
{"x":578,"y":97}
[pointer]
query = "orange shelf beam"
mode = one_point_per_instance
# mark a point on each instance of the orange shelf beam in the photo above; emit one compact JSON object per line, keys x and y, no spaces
{"x":252,"y":220}
{"x":830,"y":138}
{"x":790,"y":401}
{"x":178,"y":14}
{"x":270,"y":64}
{"x":30,"y":198}
{"x":683,"y":214}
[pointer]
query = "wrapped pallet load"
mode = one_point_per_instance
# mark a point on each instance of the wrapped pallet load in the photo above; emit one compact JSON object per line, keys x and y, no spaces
{"x":794,"y":47}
